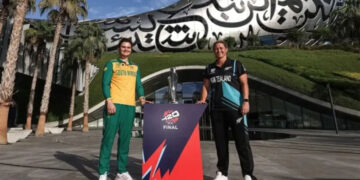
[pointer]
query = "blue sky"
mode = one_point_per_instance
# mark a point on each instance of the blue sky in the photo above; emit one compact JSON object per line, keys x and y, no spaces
{"x":98,"y":9}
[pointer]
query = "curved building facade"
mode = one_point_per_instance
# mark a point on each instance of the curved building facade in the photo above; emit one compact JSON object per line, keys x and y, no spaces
{"x":180,"y":26}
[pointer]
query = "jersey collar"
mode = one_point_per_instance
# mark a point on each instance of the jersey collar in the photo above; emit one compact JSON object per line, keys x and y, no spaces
{"x":226,"y":63}
{"x":121,"y":61}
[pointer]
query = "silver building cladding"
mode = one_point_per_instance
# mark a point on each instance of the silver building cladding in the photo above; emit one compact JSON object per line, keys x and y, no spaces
{"x":181,"y":26}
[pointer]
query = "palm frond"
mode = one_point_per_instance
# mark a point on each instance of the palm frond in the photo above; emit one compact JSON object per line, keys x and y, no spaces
{"x":32,"y":6}
{"x":89,"y":41}
{"x":53,"y":15}
{"x":48,"y":5}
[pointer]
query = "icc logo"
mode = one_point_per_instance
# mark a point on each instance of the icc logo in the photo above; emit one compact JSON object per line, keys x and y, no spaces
{"x":170,"y":118}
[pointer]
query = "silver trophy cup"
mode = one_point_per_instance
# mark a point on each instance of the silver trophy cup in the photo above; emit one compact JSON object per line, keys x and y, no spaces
{"x":173,"y":79}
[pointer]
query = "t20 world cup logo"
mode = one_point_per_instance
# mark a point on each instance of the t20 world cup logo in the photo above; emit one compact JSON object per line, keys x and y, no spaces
{"x":170,"y":118}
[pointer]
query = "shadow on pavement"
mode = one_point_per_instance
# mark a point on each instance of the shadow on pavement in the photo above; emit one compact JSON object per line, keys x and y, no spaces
{"x":80,"y":163}
{"x":89,"y":167}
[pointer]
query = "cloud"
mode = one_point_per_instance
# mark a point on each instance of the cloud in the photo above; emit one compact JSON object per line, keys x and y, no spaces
{"x":126,"y":11}
{"x":156,"y":2}
{"x":163,"y":3}
{"x":93,"y":11}
{"x":118,"y":10}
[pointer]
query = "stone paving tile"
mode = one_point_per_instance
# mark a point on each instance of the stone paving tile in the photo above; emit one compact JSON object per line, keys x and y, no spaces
{"x":74,"y":156}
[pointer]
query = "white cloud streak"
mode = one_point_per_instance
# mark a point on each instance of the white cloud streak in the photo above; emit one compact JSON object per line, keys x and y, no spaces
{"x":126,"y":11}
{"x":93,"y":11}
{"x":135,"y":8}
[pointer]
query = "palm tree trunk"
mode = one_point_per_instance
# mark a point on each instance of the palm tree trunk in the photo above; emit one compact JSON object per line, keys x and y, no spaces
{"x":72,"y":103}
{"x":86,"y":97}
{"x":32,"y":92}
{"x":8,"y":75}
{"x":47,"y":89}
{"x":4,"y":15}
{"x":4,"y":111}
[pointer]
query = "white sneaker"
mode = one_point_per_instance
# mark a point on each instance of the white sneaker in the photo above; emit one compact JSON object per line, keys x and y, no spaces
{"x":123,"y":176}
{"x":247,"y":177}
{"x":103,"y":176}
{"x":220,"y":176}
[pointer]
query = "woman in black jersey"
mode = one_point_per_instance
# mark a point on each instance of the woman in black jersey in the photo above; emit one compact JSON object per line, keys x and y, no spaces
{"x":222,"y":116}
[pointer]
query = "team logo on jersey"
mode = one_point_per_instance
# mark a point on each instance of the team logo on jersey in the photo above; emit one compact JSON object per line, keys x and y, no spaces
{"x":238,"y":121}
{"x":105,"y":68}
{"x":212,"y":71}
{"x":227,"y":68}
{"x":170,"y":119}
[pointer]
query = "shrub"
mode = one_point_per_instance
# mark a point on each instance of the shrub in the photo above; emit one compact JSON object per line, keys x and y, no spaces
{"x":253,"y":40}
{"x":295,"y":36}
{"x":202,"y":43}
{"x":323,"y":33}
{"x":230,"y":41}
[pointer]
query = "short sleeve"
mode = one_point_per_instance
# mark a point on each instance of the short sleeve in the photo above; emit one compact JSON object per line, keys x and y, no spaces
{"x":240,"y":68}
{"x":206,"y":73}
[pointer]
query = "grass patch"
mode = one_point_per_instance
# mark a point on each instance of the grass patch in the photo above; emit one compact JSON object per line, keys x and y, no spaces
{"x":351,"y":75}
{"x":305,"y":71}
{"x":278,"y":76}
{"x":337,"y":67}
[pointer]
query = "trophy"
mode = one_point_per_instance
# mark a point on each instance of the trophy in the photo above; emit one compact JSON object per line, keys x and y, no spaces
{"x":172,"y":78}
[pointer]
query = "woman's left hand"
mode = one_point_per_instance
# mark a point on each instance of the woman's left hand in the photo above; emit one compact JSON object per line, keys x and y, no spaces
{"x":245,"y":108}
{"x":143,"y":101}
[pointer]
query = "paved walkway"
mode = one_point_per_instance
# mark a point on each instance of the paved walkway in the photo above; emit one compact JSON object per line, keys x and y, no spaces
{"x":74,"y":156}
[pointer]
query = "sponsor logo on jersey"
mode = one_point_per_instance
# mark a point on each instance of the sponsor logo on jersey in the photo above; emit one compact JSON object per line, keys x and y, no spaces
{"x":217,"y":79}
{"x":125,"y":73}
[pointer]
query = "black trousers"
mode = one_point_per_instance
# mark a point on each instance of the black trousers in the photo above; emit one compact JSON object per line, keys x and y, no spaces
{"x":221,"y":121}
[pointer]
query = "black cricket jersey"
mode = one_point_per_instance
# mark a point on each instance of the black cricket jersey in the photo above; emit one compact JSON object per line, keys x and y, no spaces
{"x":226,"y":73}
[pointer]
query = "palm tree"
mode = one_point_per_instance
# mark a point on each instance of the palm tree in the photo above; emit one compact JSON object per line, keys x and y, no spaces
{"x":91,"y":41}
{"x":8,"y":8}
{"x":8,"y":75}
{"x":36,"y":37}
{"x":72,"y":101}
{"x":346,"y":23}
{"x":60,"y":12}
{"x":73,"y":54}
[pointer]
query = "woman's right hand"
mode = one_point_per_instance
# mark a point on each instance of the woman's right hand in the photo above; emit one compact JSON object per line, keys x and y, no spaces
{"x":201,"y":102}
{"x":111,"y":109}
